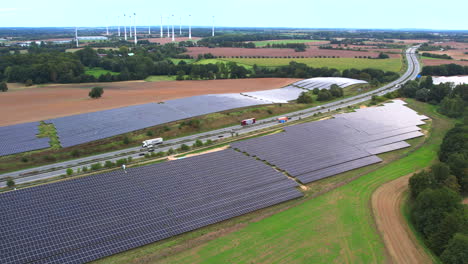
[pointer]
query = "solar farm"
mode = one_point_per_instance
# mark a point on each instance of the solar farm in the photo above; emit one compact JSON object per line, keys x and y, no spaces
{"x":88,"y":218}
{"x":83,"y":128}
{"x":316,"y":150}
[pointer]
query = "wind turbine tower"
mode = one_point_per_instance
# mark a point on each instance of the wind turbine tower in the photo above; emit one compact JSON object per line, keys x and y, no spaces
{"x":212,"y":31}
{"x":190,"y":27}
{"x":162,"y":33}
{"x":76,"y":36}
{"x":118,"y":24}
{"x":168,"y":26}
{"x":173,"y":38}
{"x":107,"y":26}
{"x":130,"y":26}
{"x":134,"y":29}
{"x":125,"y":27}
{"x":180,"y":26}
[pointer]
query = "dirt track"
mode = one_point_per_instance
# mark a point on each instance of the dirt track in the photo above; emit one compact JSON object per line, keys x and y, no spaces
{"x":41,"y":103}
{"x":399,"y":240}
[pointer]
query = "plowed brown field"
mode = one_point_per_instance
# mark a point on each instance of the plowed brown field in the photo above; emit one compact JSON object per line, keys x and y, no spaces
{"x":311,"y":52}
{"x":399,"y":240}
{"x":431,"y":62}
{"x":41,"y":103}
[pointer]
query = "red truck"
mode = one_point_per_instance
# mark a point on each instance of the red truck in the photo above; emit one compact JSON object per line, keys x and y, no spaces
{"x":249,"y":121}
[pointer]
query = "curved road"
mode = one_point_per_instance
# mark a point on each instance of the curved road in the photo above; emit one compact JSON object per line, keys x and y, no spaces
{"x":57,"y":169}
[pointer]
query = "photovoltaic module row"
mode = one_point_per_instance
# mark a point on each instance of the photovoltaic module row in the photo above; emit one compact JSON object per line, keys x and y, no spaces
{"x":83,"y":128}
{"x":84,"y":219}
{"x":21,"y":138}
{"x":315,"y":150}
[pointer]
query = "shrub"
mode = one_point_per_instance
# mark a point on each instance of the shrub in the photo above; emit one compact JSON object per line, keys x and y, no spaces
{"x":24,"y":159}
{"x":126,"y":140}
{"x":304,"y":98}
{"x":3,"y":86}
{"x":198,"y":143}
{"x":10,"y":183}
{"x":147,"y":155}
{"x":129,"y":159}
{"x":120,"y":162}
{"x":84,"y":169}
{"x":96,"y":92}
{"x":28,"y":82}
{"x":75,"y":153}
{"x":109,"y":164}
{"x":184,"y":147}
{"x":69,"y":171}
{"x":96,"y":166}
{"x":208,"y":142}
{"x":149,"y":133}
{"x":170,"y":151}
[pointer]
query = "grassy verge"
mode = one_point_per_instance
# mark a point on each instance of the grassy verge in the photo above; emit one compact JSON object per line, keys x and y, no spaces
{"x":160,"y":78}
{"x":335,"y":227}
{"x":48,"y":130}
{"x":393,"y":64}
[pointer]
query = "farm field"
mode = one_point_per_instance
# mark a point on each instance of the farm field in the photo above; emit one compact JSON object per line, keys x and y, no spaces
{"x":263,"y":43}
{"x":336,"y":227}
{"x":56,"y":100}
{"x":435,"y":62}
{"x":165,"y":40}
{"x":311,"y":52}
{"x":97,"y":71}
{"x":338,"y":63}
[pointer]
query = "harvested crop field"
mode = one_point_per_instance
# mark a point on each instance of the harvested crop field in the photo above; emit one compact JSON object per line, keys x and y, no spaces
{"x":272,"y":53}
{"x":435,"y":62}
{"x":399,"y":240}
{"x":56,"y":100}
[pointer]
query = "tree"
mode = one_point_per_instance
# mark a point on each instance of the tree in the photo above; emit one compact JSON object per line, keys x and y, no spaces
{"x":28,"y":82}
{"x":383,"y":56}
{"x":184,"y":147}
{"x":96,"y":92}
{"x":3,"y":87}
{"x":452,"y":107}
{"x":304,"y":98}
{"x":180,"y":75}
{"x":126,"y":140}
{"x":422,"y":94}
{"x":457,"y":250}
{"x":420,"y":182}
{"x":315,"y":91}
{"x":10,"y":183}
{"x":324,"y":95}
{"x":198,"y":143}
{"x":336,"y":91}
{"x":69,"y":171}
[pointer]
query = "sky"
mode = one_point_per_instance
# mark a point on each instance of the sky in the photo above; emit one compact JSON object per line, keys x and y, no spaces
{"x":368,"y":14}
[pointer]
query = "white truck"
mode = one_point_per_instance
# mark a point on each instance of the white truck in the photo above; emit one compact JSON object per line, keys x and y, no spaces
{"x":151,"y":143}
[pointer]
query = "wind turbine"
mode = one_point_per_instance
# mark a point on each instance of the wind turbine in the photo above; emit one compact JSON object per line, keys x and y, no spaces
{"x":173,"y":38}
{"x":76,"y":36}
{"x":134,"y":24}
{"x":180,"y":26}
{"x":125,"y":27}
{"x":162,"y":33}
{"x":190,"y":27}
{"x":212,"y":31}
{"x":168,"y":26}
{"x":130,"y":26}
{"x":107,"y":26}
{"x":118,"y":24}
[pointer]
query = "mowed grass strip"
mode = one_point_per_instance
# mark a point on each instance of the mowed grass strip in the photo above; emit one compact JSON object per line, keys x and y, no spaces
{"x":98,"y":71}
{"x":282,"y":41}
{"x":336,"y":227}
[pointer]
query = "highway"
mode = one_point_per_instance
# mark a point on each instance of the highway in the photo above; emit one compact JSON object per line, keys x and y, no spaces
{"x":53,"y":170}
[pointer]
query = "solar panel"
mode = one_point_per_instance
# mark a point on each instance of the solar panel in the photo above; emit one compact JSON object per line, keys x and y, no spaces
{"x":21,"y":138}
{"x":84,"y":219}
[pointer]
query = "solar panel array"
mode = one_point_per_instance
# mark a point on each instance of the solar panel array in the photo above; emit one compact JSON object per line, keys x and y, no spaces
{"x":316,"y":150}
{"x":21,"y":138}
{"x":85,"y":219}
{"x":282,"y":95}
{"x":83,"y":128}
{"x":326,"y":82}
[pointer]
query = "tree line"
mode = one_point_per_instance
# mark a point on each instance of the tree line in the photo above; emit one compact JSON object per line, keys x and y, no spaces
{"x":435,"y":202}
{"x":437,"y":56}
{"x":445,"y":70}
{"x":452,"y":100}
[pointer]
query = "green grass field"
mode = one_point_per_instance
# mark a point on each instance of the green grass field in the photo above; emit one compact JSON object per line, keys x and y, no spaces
{"x":98,"y":71}
{"x":214,"y":61}
{"x":336,"y":227}
{"x":282,"y":41}
{"x":337,"y":63}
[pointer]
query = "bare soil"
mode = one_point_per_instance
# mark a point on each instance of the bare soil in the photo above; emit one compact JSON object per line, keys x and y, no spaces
{"x":311,"y":52}
{"x":21,"y":105}
{"x":435,"y":62}
{"x":399,"y":240}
